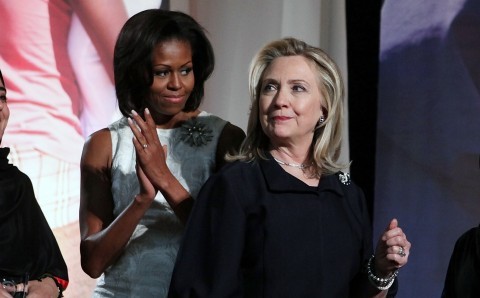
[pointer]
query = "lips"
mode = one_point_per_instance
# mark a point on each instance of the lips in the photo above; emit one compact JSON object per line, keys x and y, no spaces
{"x":281,"y":118}
{"x":174,"y":98}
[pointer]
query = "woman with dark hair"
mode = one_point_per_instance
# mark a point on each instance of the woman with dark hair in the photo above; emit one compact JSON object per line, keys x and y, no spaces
{"x":140,"y":175}
{"x":30,"y":259}
{"x":283,"y":220}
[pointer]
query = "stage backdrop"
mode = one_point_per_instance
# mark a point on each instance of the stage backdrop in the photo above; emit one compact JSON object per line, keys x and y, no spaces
{"x":56,"y":57}
{"x":428,"y":142}
{"x":83,"y":82}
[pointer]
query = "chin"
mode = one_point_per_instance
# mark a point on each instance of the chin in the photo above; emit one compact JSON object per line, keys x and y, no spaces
{"x":169,"y":110}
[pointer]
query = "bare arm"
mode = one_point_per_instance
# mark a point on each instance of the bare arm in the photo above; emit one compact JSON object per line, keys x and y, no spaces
{"x":103,"y":236}
{"x":102,"y":21}
{"x":152,"y":160}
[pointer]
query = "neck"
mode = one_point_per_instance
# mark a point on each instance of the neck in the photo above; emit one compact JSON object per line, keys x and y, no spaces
{"x":287,"y":158}
{"x":301,"y":166}
{"x":306,"y":171}
{"x":173,"y":121}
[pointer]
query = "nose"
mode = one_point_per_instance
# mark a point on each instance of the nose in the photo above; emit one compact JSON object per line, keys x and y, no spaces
{"x":175,"y":82}
{"x":281,"y":98}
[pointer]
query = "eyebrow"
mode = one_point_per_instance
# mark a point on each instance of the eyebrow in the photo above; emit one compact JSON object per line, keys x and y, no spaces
{"x":290,"y":81}
{"x":169,"y":66}
{"x":293,"y":81}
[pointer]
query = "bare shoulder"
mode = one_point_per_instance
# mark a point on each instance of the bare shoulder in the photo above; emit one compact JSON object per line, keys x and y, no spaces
{"x":97,"y":150}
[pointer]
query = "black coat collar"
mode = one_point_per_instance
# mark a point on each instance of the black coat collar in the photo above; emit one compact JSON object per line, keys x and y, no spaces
{"x":279,"y":180}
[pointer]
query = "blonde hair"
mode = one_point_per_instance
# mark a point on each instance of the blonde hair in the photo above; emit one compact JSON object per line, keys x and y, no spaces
{"x":327,"y":137}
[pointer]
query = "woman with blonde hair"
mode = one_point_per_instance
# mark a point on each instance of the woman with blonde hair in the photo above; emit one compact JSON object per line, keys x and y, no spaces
{"x":283,"y":220}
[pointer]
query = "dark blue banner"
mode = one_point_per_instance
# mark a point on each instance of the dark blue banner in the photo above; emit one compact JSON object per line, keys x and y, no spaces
{"x":428,"y":134}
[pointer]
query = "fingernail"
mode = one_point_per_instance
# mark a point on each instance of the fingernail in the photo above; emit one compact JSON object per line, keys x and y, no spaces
{"x":147,"y":111}
{"x":134,"y":113}
{"x":129,"y":120}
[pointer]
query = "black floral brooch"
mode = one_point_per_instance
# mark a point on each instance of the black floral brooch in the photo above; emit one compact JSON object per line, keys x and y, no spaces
{"x":195,"y":133}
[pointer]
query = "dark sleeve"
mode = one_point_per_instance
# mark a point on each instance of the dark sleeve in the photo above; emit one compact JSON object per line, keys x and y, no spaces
{"x":32,"y":246}
{"x":463,"y":274}
{"x":358,"y":205}
{"x":208,"y":262}
{"x":229,"y":142}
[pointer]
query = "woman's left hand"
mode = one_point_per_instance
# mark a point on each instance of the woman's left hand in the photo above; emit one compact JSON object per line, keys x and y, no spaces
{"x":392,"y":250}
{"x":42,"y":289}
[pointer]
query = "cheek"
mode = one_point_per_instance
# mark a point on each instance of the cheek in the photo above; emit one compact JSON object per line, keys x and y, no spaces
{"x":311,"y":111}
{"x":263,"y":107}
{"x":190,"y":85}
{"x":264,"y":104}
{"x":158,"y":85}
{"x":189,"y":82}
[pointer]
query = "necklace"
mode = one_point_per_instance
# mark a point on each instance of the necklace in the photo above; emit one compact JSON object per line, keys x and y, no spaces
{"x":295,"y":165}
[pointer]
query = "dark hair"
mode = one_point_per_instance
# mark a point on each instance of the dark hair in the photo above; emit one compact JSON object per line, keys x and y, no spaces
{"x":1,"y":78}
{"x":134,"y":50}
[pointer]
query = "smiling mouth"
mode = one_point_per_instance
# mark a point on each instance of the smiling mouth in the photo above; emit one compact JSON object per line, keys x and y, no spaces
{"x":174,"y":98}
{"x":280,"y":118}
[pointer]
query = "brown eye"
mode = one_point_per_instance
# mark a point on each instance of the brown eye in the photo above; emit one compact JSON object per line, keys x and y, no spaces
{"x":186,"y":71}
{"x":160,"y":73}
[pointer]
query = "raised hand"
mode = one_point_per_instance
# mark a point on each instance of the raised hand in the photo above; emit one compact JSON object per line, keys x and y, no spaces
{"x":151,"y":155}
{"x":392,"y":250}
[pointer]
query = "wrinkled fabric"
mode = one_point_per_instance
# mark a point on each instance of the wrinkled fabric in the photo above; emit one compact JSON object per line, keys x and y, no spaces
{"x":145,"y":267}
{"x":27,"y":243}
{"x":257,"y":231}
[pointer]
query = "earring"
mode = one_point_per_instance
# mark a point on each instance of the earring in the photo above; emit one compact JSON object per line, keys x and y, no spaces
{"x":322,"y":119}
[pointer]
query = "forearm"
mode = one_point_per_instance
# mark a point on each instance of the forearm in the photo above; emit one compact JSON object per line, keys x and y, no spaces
{"x":376,"y":293}
{"x":176,"y":195}
{"x":44,"y":287}
{"x":379,"y":284}
{"x":102,"y":249}
{"x":103,"y":31}
{"x":363,"y":287}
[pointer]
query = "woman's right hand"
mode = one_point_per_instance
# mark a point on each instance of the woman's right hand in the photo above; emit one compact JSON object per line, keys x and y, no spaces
{"x":147,"y":190}
{"x":151,"y":154}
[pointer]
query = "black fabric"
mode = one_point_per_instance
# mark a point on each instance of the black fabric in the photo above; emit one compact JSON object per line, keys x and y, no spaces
{"x":257,"y":231}
{"x":27,"y":243}
{"x":463,"y":275}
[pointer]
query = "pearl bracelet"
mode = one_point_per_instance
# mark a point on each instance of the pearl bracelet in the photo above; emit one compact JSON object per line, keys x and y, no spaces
{"x":380,"y":283}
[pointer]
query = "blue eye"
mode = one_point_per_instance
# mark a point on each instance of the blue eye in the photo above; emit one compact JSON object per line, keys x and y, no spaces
{"x":269,"y":87}
{"x":298,"y":88}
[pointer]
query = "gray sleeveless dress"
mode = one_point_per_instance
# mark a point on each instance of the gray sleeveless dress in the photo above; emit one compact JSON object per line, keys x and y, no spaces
{"x":145,"y":267}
